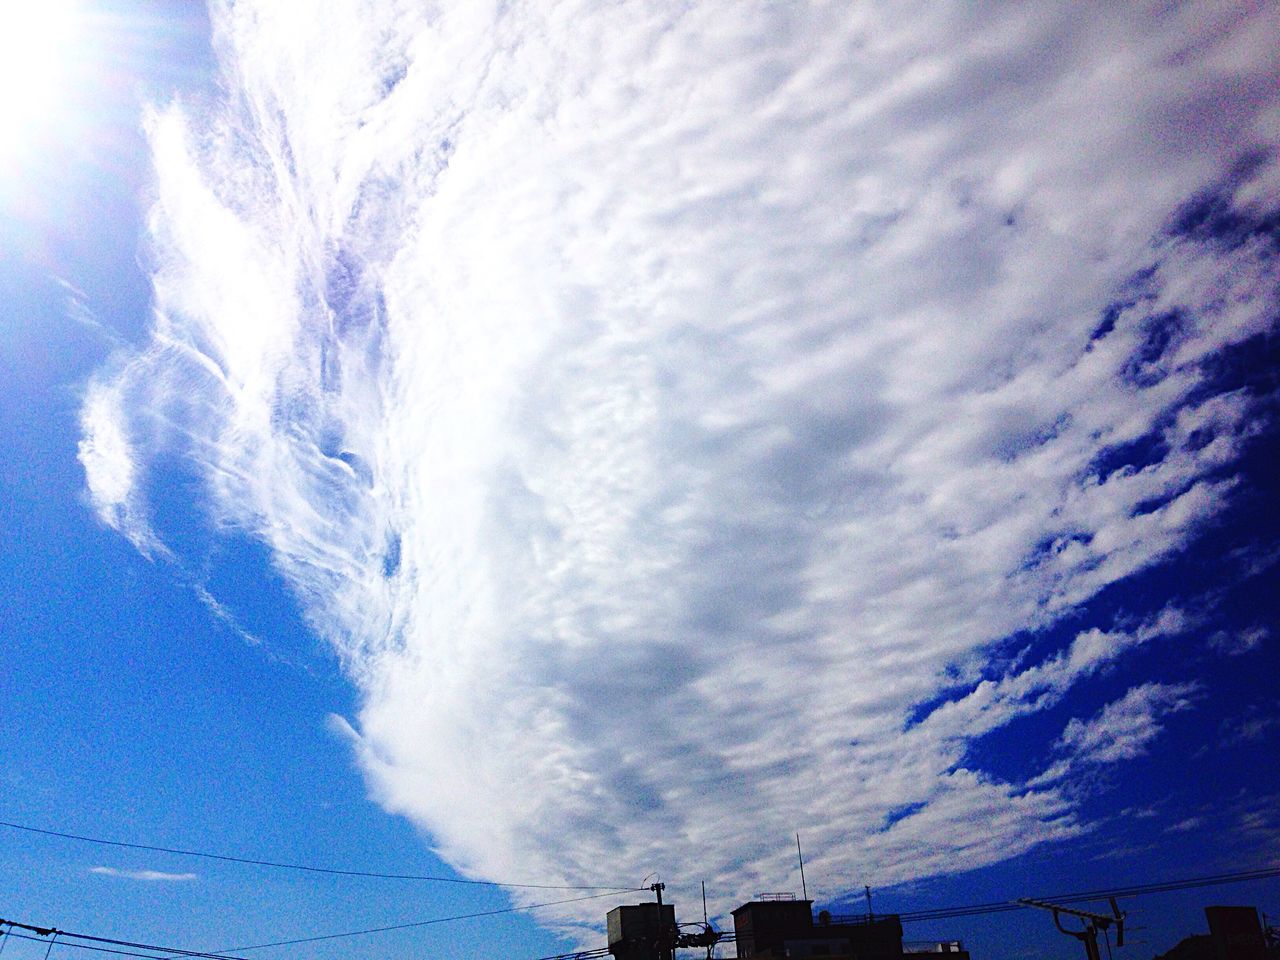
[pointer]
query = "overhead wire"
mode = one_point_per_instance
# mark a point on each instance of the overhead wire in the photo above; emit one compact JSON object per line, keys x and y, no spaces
{"x":158,"y":952}
{"x":85,"y":946}
{"x":1168,"y":886}
{"x":580,"y":955}
{"x":424,"y":923}
{"x":68,"y":936}
{"x":178,"y":851}
{"x":176,"y":951}
{"x":1005,"y":906}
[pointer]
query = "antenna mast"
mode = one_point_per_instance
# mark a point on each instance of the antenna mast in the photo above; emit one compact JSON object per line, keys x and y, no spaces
{"x":1094,"y":922}
{"x":804,"y":889}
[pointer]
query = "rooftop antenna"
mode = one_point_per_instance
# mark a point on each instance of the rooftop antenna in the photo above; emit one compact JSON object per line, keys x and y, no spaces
{"x":1093,"y":922}
{"x":803,"y":888}
{"x":706,"y":937}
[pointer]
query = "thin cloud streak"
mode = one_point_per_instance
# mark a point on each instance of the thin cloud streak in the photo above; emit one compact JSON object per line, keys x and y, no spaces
{"x":148,"y":876}
{"x":1123,"y":730}
{"x":656,"y":408}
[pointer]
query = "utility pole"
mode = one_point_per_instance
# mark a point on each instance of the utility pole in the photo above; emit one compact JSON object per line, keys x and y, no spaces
{"x":665,"y":944}
{"x":708,"y":935}
{"x":1088,"y":934}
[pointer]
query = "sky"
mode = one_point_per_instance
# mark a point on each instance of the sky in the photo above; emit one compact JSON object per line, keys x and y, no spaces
{"x":569,"y":444}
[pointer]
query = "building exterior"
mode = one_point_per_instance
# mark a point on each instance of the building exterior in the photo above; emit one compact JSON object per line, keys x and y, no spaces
{"x":642,"y":931}
{"x":785,"y":930}
{"x":1234,"y":934}
{"x":772,"y":927}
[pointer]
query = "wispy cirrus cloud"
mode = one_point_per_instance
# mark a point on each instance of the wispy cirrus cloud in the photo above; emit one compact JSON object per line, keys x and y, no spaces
{"x":1123,"y":729}
{"x":106,"y":450}
{"x":1255,"y":724}
{"x":656,"y":406}
{"x":1242,"y":641}
{"x":149,"y":876}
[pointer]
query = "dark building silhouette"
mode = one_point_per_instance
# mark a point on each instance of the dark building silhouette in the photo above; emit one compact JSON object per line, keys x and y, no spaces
{"x":1234,"y":934}
{"x":774,"y":927}
{"x":785,"y":930}
{"x":642,"y":931}
{"x":761,"y":926}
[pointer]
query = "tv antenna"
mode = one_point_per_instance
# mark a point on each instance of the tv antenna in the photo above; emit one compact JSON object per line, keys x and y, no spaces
{"x":1088,"y":934}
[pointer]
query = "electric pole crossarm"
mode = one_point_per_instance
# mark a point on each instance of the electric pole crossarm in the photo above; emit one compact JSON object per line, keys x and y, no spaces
{"x":1101,"y":919}
{"x":1093,"y":923}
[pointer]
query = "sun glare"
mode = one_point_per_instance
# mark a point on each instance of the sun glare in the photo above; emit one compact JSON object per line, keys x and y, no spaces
{"x":37,"y":41}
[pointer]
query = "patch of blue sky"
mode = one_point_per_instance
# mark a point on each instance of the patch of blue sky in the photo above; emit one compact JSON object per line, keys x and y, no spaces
{"x":1221,"y":585}
{"x":129,"y":709}
{"x":158,"y":687}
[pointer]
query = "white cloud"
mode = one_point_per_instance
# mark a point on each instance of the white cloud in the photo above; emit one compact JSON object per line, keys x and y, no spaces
{"x":655,"y":406}
{"x":1257,"y":825}
{"x":1253,"y":725}
{"x":79,"y":311}
{"x":993,"y":703}
{"x":151,"y":876}
{"x":110,"y":463}
{"x":1242,"y":641}
{"x":1124,"y":729}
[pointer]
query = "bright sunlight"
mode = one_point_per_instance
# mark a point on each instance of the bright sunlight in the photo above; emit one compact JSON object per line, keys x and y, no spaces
{"x":37,"y":55}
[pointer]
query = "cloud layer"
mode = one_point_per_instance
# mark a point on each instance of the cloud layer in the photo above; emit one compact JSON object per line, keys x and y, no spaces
{"x":658,"y":407}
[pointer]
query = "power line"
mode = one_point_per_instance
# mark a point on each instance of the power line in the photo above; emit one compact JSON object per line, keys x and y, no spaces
{"x":172,"y":953}
{"x":178,"y":951}
{"x":55,"y":933}
{"x":591,"y":954}
{"x":85,"y":946}
{"x":1005,"y":906}
{"x":426,"y":923}
{"x":306,"y":868}
{"x":939,"y":913}
{"x":1190,"y":883}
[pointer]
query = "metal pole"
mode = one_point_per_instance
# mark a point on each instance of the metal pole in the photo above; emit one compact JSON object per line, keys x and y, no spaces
{"x":804,"y":889}
{"x":664,"y":949}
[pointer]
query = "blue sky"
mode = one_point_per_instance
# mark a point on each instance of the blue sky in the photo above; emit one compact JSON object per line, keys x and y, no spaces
{"x":563,"y":444}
